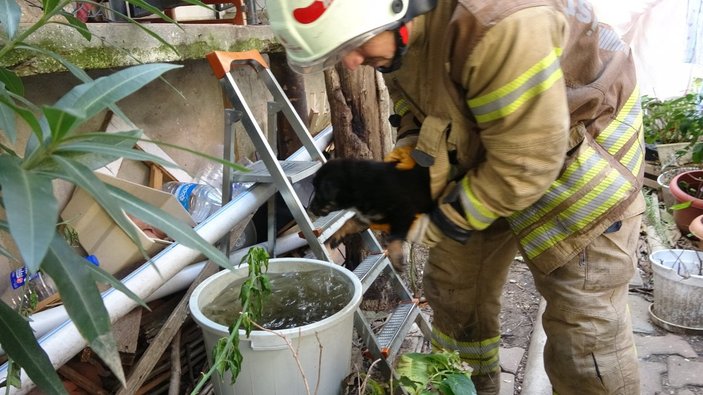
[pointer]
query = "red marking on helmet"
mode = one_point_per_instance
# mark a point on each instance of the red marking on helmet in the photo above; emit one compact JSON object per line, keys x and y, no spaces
{"x":312,"y":12}
{"x":404,"y":34}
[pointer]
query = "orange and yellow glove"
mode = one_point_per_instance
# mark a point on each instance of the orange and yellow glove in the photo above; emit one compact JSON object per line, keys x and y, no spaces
{"x":401,"y":155}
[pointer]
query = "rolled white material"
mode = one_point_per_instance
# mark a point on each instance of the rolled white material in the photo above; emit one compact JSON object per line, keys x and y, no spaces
{"x":44,"y":321}
{"x":64,"y":341}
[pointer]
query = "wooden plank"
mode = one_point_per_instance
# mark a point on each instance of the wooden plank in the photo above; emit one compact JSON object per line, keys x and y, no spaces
{"x":148,"y":387}
{"x":162,"y":340}
{"x":126,"y":331}
{"x":168,"y":331}
{"x":81,"y":381}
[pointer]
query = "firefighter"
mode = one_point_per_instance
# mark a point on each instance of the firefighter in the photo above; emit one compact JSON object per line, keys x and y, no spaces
{"x":527,"y":114}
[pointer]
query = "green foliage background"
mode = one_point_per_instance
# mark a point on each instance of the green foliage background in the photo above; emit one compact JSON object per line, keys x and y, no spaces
{"x":56,"y":150}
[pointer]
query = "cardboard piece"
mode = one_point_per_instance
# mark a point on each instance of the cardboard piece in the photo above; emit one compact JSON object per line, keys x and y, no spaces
{"x":99,"y":235}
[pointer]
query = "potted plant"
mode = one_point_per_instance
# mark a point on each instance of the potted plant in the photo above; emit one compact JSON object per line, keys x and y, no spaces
{"x":675,"y":125}
{"x":678,"y":291}
{"x":687,"y":189}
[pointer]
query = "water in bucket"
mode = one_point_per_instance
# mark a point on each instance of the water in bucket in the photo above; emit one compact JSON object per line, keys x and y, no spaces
{"x":297,"y":299}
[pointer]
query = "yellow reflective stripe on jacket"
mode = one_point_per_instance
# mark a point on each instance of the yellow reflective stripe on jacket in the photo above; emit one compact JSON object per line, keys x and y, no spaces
{"x":482,"y":356}
{"x":401,"y":107}
{"x":614,"y":137}
{"x":598,"y":200}
{"x":634,"y":158}
{"x":477,"y":214}
{"x":508,"y":99}
{"x":588,"y":188}
{"x":579,"y":173}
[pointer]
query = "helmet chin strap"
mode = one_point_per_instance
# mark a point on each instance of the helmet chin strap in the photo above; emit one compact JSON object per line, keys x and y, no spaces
{"x":401,"y":46}
{"x":415,"y":8}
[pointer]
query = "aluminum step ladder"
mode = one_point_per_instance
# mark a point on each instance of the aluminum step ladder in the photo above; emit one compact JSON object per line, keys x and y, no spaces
{"x":383,"y":344}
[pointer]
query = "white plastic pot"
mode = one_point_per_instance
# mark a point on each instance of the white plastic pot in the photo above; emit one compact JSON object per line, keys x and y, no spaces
{"x":268,"y":365}
{"x":678,"y":290}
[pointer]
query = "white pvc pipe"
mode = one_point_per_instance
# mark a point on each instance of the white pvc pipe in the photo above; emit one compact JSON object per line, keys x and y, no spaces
{"x":65,"y":341}
{"x":46,"y":320}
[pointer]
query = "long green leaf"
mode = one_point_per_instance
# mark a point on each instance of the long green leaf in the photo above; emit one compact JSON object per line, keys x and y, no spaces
{"x":111,"y":150}
{"x":7,"y":116}
{"x":75,"y":70}
{"x":31,"y":210}
{"x":49,"y":6}
{"x":458,"y":384}
{"x":7,"y":123}
{"x":414,"y":370}
{"x":143,"y":4}
{"x":72,"y":68}
{"x":176,"y":229}
{"x":17,"y":339}
{"x":232,"y":165}
{"x":12,"y":82}
{"x":62,"y":121}
{"x":102,"y":276}
{"x":27,"y":115}
{"x":104,"y":91}
{"x":141,"y":26}
{"x":10,"y":17}
{"x":77,"y":24}
{"x":91,"y":159}
{"x":83,"y":177}
{"x":4,"y":251}
{"x":82,"y":301}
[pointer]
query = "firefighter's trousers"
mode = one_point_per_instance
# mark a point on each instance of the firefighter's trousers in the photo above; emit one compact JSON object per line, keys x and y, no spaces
{"x":589,"y":349}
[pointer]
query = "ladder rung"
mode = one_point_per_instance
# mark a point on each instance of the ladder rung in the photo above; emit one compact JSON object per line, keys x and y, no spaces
{"x":369,"y":269}
{"x":330,"y":223}
{"x":294,"y":171}
{"x":396,"y":327}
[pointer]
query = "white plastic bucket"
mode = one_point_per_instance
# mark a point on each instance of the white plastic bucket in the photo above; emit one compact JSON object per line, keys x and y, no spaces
{"x":268,"y":365}
{"x":678,"y":289}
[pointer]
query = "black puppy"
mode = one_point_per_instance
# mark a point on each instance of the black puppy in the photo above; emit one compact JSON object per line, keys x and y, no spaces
{"x":378,"y":192}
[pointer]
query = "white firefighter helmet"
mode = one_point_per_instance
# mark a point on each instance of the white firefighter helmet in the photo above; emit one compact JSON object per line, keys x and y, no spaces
{"x":318,"y":33}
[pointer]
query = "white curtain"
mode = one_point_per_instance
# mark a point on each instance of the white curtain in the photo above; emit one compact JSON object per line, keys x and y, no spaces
{"x":694,"y":50}
{"x":659,"y":32}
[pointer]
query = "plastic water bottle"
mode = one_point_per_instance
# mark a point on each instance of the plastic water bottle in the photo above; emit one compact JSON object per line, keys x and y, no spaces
{"x":23,"y":284}
{"x":212,"y":175}
{"x":200,"y":200}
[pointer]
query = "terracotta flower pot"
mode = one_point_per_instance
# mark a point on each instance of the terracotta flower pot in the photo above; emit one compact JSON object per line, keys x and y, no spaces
{"x":696,"y":229}
{"x":694,"y":179}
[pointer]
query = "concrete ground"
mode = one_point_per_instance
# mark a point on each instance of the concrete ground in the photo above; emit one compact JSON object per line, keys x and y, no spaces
{"x":669,"y":363}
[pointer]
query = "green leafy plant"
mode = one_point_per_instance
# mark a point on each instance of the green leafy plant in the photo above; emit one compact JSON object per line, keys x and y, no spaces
{"x":436,"y":373}
{"x":255,"y":289}
{"x":676,"y":120}
{"x":58,"y":149}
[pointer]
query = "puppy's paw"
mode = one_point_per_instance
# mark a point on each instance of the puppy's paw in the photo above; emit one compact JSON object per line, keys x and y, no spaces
{"x":396,"y":255}
{"x":352,"y":226}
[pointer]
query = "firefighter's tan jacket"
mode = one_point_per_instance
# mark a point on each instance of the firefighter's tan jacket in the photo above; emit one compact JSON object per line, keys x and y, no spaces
{"x":535,"y":103}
